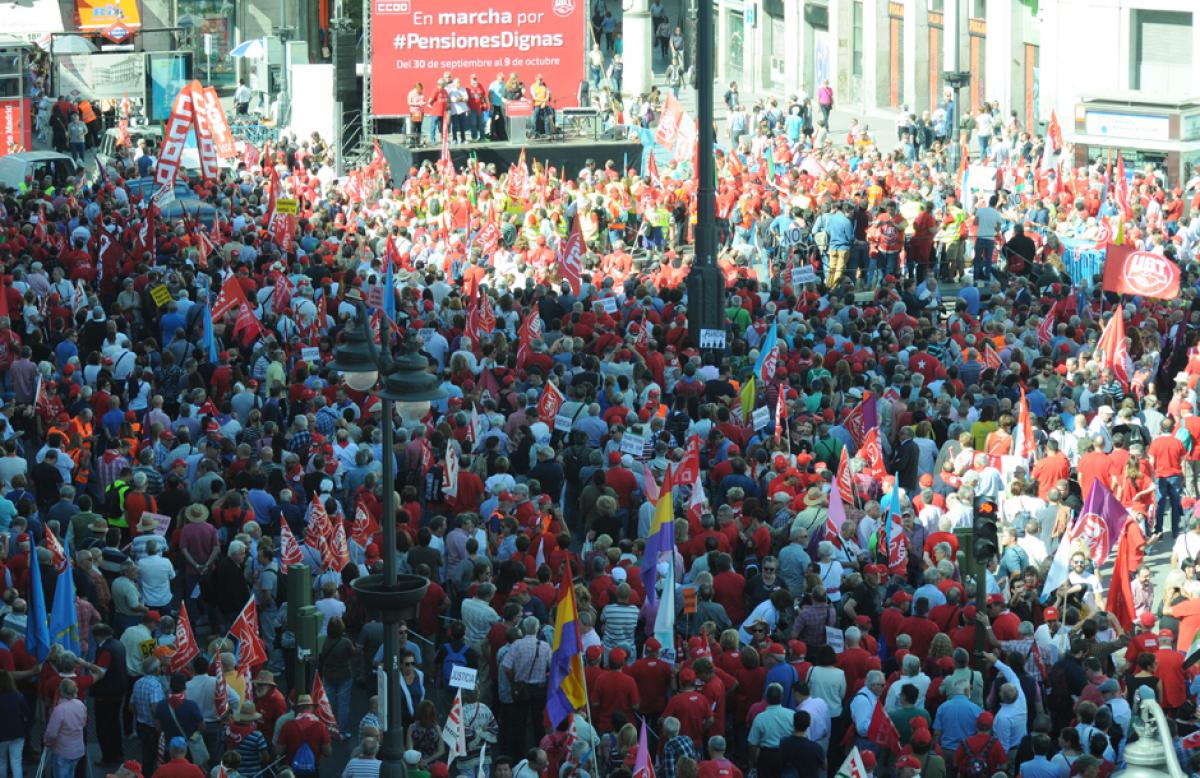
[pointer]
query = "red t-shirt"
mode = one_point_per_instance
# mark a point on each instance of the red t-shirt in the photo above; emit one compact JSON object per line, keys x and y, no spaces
{"x":1171,"y":675}
{"x":692,"y":709}
{"x":922,"y":631}
{"x":717,"y":768}
{"x":729,"y":589}
{"x":178,"y":768}
{"x":307,"y":729}
{"x":615,"y":691}
{"x":1168,"y":454}
{"x":653,"y":679}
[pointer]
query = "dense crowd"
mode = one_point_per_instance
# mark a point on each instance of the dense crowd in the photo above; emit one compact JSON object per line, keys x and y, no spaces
{"x":174,"y":440}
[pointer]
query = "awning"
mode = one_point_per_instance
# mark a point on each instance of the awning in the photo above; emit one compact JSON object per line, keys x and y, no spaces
{"x":30,"y":18}
{"x":96,"y":15}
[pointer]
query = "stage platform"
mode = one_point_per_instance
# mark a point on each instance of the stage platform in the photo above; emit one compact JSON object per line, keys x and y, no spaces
{"x":569,"y":155}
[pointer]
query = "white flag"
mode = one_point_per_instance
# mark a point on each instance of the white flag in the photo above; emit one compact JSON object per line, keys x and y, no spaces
{"x":853,"y":767}
{"x":454,"y":733}
{"x":450,"y":487}
{"x":664,"y":621}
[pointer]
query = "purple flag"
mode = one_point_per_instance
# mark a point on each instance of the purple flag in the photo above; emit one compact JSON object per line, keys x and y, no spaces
{"x":1099,"y":524}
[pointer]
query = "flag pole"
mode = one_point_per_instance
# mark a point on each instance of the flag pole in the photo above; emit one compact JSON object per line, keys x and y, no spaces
{"x":588,"y":705}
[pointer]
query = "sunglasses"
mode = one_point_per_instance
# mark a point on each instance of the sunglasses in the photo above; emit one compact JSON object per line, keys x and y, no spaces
{"x":768,"y":569}
{"x":407,"y":664}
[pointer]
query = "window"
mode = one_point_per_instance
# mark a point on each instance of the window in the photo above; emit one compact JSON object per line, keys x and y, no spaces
{"x":1162,"y":51}
{"x":856,"y":51}
{"x":937,"y":5}
{"x":979,"y":9}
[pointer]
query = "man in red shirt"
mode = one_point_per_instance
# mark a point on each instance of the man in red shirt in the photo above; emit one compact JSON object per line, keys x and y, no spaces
{"x":653,"y":677}
{"x":919,"y":627}
{"x":718,"y":766}
{"x":305,"y":728}
{"x":178,"y":766}
{"x":983,"y":744}
{"x":1145,"y":641}
{"x":1166,"y":454}
{"x":712,"y":687}
{"x":1169,"y":669}
{"x":693,"y":709}
{"x":615,"y":692}
{"x":1004,"y":622}
{"x":1051,"y":469}
{"x":1093,"y":464}
{"x":621,"y":479}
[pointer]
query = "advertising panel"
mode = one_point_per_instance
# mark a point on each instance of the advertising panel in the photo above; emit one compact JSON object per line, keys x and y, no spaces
{"x":14,"y":125}
{"x":419,"y":40}
{"x":99,"y":14}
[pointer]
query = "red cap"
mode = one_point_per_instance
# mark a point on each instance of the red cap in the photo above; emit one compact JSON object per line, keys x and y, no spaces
{"x":985,"y":719}
{"x":995,"y":599}
{"x":179,"y":463}
{"x":901,"y":597}
{"x":593,"y":653}
{"x":1050,"y":614}
{"x":687,"y":676}
{"x":868,"y":758}
{"x":797,"y":647}
{"x":919,"y":722}
{"x":1166,"y":634}
{"x":617,"y":657}
{"x":152,"y":615}
{"x":777,"y":649}
{"x":506,"y":496}
{"x":1146,"y":620}
{"x":863,"y":620}
{"x":614,"y":457}
{"x":908,"y":761}
{"x":921,"y":737}
{"x":519,"y":588}
{"x":652,"y":644}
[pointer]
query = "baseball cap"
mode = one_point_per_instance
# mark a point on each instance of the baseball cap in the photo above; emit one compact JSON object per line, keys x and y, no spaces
{"x":1110,"y":685}
{"x":593,"y":653}
{"x":901,"y":597}
{"x":652,"y":644}
{"x":617,"y":656}
{"x":687,"y":676}
{"x":985,"y":719}
{"x":178,"y":744}
{"x":1146,"y":619}
{"x":921,"y":737}
{"x":908,"y":761}
{"x":1050,"y":614}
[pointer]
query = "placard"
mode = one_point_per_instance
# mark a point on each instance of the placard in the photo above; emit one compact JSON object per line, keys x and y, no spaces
{"x":287,"y":205}
{"x":835,"y":638}
{"x":563,"y":422}
{"x":689,"y":599}
{"x":521,"y":107}
{"x":161,"y":523}
{"x":712,"y":338}
{"x":761,"y":418}
{"x":462,"y":677}
{"x":805,"y":274}
{"x":633,"y":445}
{"x":160,"y":294}
{"x":608,"y":304}
{"x":311,"y":354}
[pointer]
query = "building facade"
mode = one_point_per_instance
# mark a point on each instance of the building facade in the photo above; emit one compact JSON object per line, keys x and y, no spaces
{"x":1126,"y":74}
{"x":880,"y":55}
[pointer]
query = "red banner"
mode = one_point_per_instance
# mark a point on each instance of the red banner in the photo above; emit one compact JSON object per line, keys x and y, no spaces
{"x":209,"y":107}
{"x":175,"y":133}
{"x":548,"y":404}
{"x":419,"y":40}
{"x":668,"y":122}
{"x":14,"y":125}
{"x":571,"y":257}
{"x":1140,"y":273}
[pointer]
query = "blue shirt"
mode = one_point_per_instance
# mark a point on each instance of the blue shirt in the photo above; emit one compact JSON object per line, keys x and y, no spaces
{"x":841,"y":232}
{"x":932,"y":594}
{"x":955,"y":719}
{"x":1041,"y":767}
{"x":970,"y":295}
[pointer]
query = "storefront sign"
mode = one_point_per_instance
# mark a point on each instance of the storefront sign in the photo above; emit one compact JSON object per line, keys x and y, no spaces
{"x":100,"y":14}
{"x":1127,"y":125}
{"x":14,"y":125}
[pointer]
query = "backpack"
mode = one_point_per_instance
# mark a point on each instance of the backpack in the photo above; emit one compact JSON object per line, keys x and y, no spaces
{"x":114,"y":499}
{"x":305,"y":761}
{"x":572,"y":463}
{"x":453,"y":659}
{"x":1185,"y":437}
{"x":976,"y":764}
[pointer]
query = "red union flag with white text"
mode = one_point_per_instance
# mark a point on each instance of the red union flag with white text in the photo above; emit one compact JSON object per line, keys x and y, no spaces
{"x":668,"y":122}
{"x":548,"y":404}
{"x":1140,"y":273}
{"x":175,"y":134}
{"x":571,"y":257}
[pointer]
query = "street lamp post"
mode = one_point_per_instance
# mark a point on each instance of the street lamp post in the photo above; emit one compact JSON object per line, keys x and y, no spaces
{"x":406,"y":381}
{"x":705,"y":285}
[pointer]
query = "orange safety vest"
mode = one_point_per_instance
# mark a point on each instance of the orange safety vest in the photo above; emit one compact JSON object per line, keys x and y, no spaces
{"x":540,"y":94}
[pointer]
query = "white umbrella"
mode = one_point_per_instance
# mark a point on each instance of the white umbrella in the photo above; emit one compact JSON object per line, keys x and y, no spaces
{"x":252,"y":49}
{"x":72,"y":44}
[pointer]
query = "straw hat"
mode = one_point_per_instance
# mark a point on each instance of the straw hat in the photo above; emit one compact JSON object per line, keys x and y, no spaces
{"x":146,"y":524}
{"x":304,"y":701}
{"x":196,"y":513}
{"x":814,"y":497}
{"x":264,"y":678}
{"x":247,"y":712}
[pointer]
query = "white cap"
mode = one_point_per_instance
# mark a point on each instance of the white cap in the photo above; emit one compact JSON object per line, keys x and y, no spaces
{"x":619,"y":575}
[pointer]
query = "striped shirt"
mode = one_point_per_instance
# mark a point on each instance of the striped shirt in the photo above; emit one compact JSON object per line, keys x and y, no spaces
{"x":362,"y":767}
{"x":147,"y":693}
{"x":620,"y":622}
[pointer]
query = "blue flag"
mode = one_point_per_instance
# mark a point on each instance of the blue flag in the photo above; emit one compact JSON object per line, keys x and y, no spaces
{"x":768,"y":356}
{"x":209,"y":341}
{"x":64,"y":619}
{"x":37,"y":634}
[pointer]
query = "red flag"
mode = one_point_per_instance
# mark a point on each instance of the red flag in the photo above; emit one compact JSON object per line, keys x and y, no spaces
{"x":1025,"y":444}
{"x":1112,"y":350}
{"x":488,"y":238}
{"x":57,"y":556}
{"x":1140,"y":273}
{"x":518,"y":178}
{"x":339,"y":551}
{"x":548,"y":404}
{"x":318,"y":524}
{"x":652,"y":170}
{"x":360,"y":529}
{"x":289,"y":549}
{"x":221,"y":692}
{"x":570,"y":258}
{"x":872,"y":452}
{"x":1054,"y":133}
{"x":1045,"y":329}
{"x":688,"y":469}
{"x":1130,"y":553}
{"x":881,"y":730}
{"x":247,"y":325}
{"x":231,"y":296}
{"x":733,"y":164}
{"x":186,"y":648}
{"x":144,"y":239}
{"x":1121,"y":189}
{"x":251,"y":650}
{"x":991,"y":360}
{"x":780,"y":414}
{"x":321,"y":704}
{"x":845,"y":481}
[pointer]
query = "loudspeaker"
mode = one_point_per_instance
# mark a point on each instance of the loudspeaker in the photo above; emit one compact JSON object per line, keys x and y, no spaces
{"x":345,"y":80}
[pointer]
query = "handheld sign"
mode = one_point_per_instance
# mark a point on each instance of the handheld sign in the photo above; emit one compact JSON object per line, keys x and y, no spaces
{"x":714,"y":339}
{"x":462,"y":677}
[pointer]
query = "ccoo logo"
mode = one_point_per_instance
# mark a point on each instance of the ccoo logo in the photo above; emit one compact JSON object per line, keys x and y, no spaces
{"x":1093,"y":530}
{"x":563,"y":8}
{"x":1149,"y":275}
